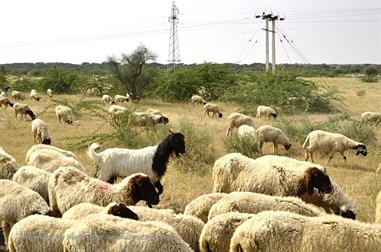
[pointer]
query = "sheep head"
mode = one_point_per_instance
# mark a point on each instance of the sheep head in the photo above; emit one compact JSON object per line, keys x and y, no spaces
{"x":141,"y":188}
{"x":47,"y":141}
{"x":361,"y":149}
{"x":316,"y":178}
{"x":121,"y":210}
{"x":347,"y":212}
{"x":287,"y":146}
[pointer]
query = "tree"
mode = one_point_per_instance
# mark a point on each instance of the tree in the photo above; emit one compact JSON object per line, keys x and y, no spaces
{"x":370,"y":71}
{"x":129,"y":70}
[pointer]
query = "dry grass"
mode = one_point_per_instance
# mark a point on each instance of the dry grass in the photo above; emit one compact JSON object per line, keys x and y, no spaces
{"x":357,"y":177}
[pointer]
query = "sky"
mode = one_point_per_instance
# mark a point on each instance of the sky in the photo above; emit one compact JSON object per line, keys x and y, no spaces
{"x":220,"y":31}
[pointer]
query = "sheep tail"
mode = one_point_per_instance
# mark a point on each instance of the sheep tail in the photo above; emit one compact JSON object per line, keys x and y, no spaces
{"x":91,"y":152}
{"x":306,"y":143}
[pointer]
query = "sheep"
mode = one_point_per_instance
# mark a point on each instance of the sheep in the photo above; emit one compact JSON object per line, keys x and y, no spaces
{"x":23,"y":109}
{"x":214,"y":108}
{"x":154,"y":112}
{"x":284,"y":231}
{"x":268,"y":133}
{"x":5,"y":103}
{"x":196,"y":99}
{"x":40,"y":132}
{"x":330,"y":143}
{"x":64,"y":113}
{"x":16,"y":95}
{"x":49,"y":92}
{"x":378,"y":208}
{"x":8,"y":165}
{"x":82,"y":210}
{"x":246,"y":131}
{"x":157,"y":116}
{"x":236,"y":119}
{"x":216,"y":234}
{"x":34,"y":95}
{"x":371,"y":117}
{"x":129,"y":191}
{"x":50,"y":160}
{"x":151,"y":160}
{"x":141,"y":119}
{"x":248,"y":202}
{"x":265,"y":112}
{"x":18,"y":202}
{"x":121,"y":98}
{"x":107,"y":99}
{"x":38,"y":147}
{"x":2,"y":93}
{"x":115,"y":111}
{"x":33,"y":178}
{"x":104,"y":232}
{"x":200,"y":206}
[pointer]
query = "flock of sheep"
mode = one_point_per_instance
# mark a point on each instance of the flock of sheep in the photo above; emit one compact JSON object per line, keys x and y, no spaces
{"x":272,"y":203}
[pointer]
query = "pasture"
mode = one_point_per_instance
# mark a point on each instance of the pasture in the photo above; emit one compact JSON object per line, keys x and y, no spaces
{"x":357,"y":177}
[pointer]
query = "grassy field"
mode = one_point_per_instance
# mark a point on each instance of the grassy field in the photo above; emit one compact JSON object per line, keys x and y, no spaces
{"x":357,"y":177}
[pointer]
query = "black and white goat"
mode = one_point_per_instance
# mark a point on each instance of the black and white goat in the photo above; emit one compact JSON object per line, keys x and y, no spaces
{"x":151,"y":160}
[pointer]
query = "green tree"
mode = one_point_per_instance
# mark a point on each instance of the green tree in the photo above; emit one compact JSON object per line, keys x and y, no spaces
{"x":129,"y":70}
{"x":60,"y":80}
{"x":370,"y":71}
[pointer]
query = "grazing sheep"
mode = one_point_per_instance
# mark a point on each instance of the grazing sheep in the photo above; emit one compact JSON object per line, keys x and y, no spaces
{"x":371,"y":117}
{"x":64,"y":113}
{"x":157,"y":116}
{"x":200,"y":206}
{"x":115,"y":111}
{"x":141,"y":119}
{"x":16,"y":95}
{"x":50,"y":160}
{"x":330,"y":143}
{"x":129,"y":191}
{"x":268,"y":133}
{"x":38,"y":147}
{"x":284,"y":231}
{"x":196,"y":99}
{"x":5,"y":103}
{"x":154,"y":112}
{"x":33,"y":178}
{"x":107,"y":99}
{"x":40,"y":132}
{"x":246,"y":131}
{"x":214,"y":108}
{"x":23,"y":109}
{"x":378,"y":208}
{"x":236,"y":119}
{"x":34,"y":95}
{"x":151,"y":160}
{"x":248,"y":202}
{"x":121,"y":98}
{"x":18,"y":202}
{"x":217,"y":233}
{"x":82,"y":210}
{"x":8,"y":165}
{"x":117,"y":234}
{"x":265,"y":112}
{"x":49,"y":92}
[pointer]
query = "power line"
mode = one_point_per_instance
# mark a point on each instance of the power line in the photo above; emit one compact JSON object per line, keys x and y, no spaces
{"x":173,"y":50}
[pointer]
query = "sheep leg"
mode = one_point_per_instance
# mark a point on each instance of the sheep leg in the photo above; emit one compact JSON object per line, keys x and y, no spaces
{"x":306,"y":155}
{"x":229,"y":131}
{"x":159,"y":187}
{"x":260,"y":145}
{"x":35,"y":137}
{"x":275,"y":148}
{"x":6,"y":230}
{"x":344,"y":157}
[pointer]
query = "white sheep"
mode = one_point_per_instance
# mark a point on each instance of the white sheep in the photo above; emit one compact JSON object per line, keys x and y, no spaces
{"x":371,"y":117}
{"x":23,"y":110}
{"x":200,"y":206}
{"x":115,"y":111}
{"x":18,"y":202}
{"x":378,"y":208}
{"x":217,"y":233}
{"x":330,"y":143}
{"x":151,"y":160}
{"x":107,"y":99}
{"x":5,"y":103}
{"x":121,"y":98}
{"x":33,"y":178}
{"x":246,"y":131}
{"x":64,"y":113}
{"x":248,"y":202}
{"x":129,"y":191}
{"x":212,"y":108}
{"x":8,"y":165}
{"x":34,"y":95}
{"x":236,"y":119}
{"x":267,"y":133}
{"x":50,"y":160}
{"x":38,"y":147}
{"x":49,"y":92}
{"x":196,"y":99}
{"x":17,"y":95}
{"x":265,"y":112}
{"x":157,"y":116}
{"x":141,"y":119}
{"x":117,"y":234}
{"x":284,"y":231}
{"x":40,"y":132}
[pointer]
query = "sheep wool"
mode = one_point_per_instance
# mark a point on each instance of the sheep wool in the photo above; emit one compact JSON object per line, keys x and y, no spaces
{"x":371,"y":117}
{"x":212,"y":108}
{"x":64,"y":113}
{"x":40,"y":132}
{"x":236,"y":119}
{"x":196,"y":99}
{"x":49,"y":92}
{"x":284,"y":231}
{"x":23,"y":110}
{"x":107,"y":99}
{"x":38,"y":147}
{"x":5,"y":103}
{"x":217,"y":233}
{"x":33,"y":178}
{"x":103,"y":232}
{"x":265,"y":112}
{"x":188,"y":227}
{"x":378,"y":208}
{"x":8,"y":165}
{"x":247,"y":202}
{"x":200,"y":206}
{"x":269,"y":133}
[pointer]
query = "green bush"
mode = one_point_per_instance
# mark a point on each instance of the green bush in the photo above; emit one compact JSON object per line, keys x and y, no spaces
{"x":369,"y":79}
{"x":360,"y":93}
{"x":245,"y":146}
{"x":60,"y":80}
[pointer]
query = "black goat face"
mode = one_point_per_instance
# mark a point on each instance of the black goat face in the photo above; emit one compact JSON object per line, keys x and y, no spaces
{"x":315,"y":178}
{"x":146,"y":191}
{"x":178,"y":143}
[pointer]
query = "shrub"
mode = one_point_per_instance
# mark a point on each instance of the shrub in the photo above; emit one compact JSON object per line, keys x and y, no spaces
{"x":244,"y":146}
{"x":360,"y":93}
{"x":59,"y":80}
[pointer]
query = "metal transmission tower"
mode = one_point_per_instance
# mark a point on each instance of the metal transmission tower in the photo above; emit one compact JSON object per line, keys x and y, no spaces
{"x":173,"y":50}
{"x":272,"y":18}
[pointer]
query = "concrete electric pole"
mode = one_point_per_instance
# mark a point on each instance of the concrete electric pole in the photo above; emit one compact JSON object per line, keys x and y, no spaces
{"x":173,"y":50}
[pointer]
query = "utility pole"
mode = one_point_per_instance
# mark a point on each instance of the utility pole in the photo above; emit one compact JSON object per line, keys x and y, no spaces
{"x":173,"y":50}
{"x":267,"y":18}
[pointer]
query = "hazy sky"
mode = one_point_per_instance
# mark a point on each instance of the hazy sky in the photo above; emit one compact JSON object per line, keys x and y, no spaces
{"x":76,"y":31}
